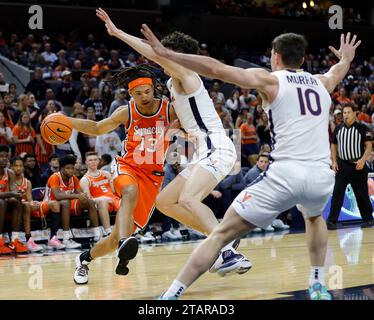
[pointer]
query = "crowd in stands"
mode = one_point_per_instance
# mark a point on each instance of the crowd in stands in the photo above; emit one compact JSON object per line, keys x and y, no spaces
{"x":282,"y":10}
{"x":69,"y":77}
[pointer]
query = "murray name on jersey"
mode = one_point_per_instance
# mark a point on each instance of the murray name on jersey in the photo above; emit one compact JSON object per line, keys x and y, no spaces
{"x":302,"y":79}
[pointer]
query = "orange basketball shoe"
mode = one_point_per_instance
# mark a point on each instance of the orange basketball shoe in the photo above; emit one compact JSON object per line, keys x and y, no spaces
{"x":4,"y":250}
{"x":18,"y":246}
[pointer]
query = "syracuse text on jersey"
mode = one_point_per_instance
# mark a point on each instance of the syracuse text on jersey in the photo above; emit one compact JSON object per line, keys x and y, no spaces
{"x":151,"y":149}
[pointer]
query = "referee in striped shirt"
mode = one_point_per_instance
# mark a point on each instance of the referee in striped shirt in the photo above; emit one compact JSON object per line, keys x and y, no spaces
{"x":350,"y":149}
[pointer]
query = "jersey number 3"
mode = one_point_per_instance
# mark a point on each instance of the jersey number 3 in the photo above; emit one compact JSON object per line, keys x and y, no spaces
{"x":306,"y":98}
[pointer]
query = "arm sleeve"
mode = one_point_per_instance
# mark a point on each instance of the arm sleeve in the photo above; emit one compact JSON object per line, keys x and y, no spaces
{"x":74,"y":144}
{"x":98,"y":146}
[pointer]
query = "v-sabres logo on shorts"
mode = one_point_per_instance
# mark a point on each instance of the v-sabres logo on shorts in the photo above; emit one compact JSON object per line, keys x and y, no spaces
{"x":213,"y":164}
{"x":244,"y":199}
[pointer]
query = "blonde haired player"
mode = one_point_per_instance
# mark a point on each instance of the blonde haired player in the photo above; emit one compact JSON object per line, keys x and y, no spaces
{"x":215,"y":154}
{"x":98,"y":186}
{"x":298,"y":105}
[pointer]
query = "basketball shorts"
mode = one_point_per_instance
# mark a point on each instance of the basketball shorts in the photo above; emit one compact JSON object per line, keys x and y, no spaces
{"x":114,"y":204}
{"x":148,"y":185}
{"x":284,"y":185}
{"x":74,"y":208}
{"x":216,"y":154}
{"x":42,"y":211}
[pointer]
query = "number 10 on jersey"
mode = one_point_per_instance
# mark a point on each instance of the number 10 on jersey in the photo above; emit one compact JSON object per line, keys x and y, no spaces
{"x":311,"y":100}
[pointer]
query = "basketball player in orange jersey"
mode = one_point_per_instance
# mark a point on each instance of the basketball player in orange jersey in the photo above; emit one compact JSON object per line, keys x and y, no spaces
{"x":97,"y":184}
{"x":24,"y":187}
{"x":64,"y":187}
{"x":139,"y":171}
{"x":215,"y":154}
{"x":10,"y":201}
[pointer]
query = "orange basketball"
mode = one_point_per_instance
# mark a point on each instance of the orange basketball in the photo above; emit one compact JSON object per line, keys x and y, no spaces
{"x":56,"y":128}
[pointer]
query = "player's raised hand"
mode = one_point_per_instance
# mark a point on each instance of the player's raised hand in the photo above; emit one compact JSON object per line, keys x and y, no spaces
{"x":110,"y":26}
{"x":347,"y":48}
{"x":152,"y":40}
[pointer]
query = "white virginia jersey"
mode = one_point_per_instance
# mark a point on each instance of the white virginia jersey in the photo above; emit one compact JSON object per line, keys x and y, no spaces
{"x":196,"y":112}
{"x":299,"y":118}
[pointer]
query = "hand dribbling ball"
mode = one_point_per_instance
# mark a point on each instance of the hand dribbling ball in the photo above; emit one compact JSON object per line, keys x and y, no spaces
{"x":56,"y":128}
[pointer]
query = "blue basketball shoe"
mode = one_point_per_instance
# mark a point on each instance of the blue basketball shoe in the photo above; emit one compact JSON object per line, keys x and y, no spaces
{"x":319,"y":292}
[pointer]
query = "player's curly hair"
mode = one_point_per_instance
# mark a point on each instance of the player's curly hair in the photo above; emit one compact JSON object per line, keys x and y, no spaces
{"x":124,"y":76}
{"x":68,"y":159}
{"x":180,"y":42}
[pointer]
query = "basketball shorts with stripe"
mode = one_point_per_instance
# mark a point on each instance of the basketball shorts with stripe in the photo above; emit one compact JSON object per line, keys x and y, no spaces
{"x":220,"y":160}
{"x":284,"y":185}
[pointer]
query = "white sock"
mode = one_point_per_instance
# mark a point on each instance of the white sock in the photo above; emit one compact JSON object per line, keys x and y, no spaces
{"x":66,"y":235}
{"x":317,"y":274}
{"x":176,"y":289}
{"x":108,"y":231}
{"x":15,"y":235}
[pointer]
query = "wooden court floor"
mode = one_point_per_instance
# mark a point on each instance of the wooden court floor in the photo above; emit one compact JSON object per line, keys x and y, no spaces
{"x":280,"y":271}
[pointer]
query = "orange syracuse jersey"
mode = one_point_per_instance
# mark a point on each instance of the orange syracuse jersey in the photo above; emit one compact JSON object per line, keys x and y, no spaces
{"x":100,"y":186}
{"x":22,"y":187}
{"x":56,"y":181}
{"x":145,"y":144}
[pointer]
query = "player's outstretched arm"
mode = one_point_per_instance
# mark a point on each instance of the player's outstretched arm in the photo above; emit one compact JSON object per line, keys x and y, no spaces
{"x":255,"y":78}
{"x":93,"y":128}
{"x":345,"y":54}
{"x":139,"y":45}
